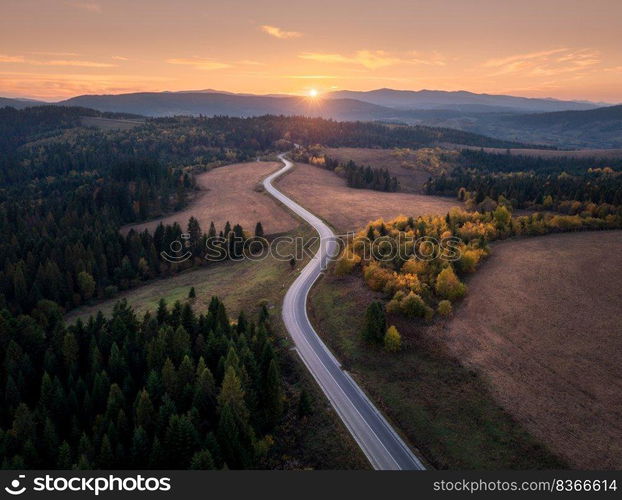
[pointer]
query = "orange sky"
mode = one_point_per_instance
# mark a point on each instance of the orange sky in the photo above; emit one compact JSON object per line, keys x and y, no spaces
{"x":53,"y":49}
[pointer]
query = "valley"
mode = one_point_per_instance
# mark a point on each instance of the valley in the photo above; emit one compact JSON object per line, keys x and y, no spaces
{"x":463,"y":389}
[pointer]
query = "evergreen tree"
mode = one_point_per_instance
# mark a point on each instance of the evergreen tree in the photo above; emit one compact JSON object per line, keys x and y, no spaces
{"x":304,"y":404}
{"x":202,"y":460}
{"x":375,"y":324}
{"x":272,"y":395}
{"x":64,"y":457}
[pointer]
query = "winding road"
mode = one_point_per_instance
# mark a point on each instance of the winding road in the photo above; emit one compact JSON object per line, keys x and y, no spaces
{"x":378,"y":440}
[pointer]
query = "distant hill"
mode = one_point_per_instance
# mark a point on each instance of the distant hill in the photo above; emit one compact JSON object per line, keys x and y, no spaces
{"x":237,"y":105}
{"x":595,"y":128}
{"x":458,"y":101}
{"x":382,"y":104}
{"x":547,"y":122}
{"x":20,"y":103}
{"x":572,"y":118}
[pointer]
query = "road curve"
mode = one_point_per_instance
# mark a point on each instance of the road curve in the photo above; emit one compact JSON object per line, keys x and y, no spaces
{"x":380,"y":443}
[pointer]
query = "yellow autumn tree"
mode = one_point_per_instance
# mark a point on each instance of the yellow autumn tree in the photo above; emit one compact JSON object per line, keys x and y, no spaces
{"x":444,"y":308}
{"x":392,"y":339}
{"x":346,"y":262}
{"x":448,"y":286}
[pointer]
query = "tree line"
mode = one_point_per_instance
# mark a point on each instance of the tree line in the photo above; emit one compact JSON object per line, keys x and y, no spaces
{"x":356,"y":176}
{"x":418,"y":263}
{"x":532,"y":182}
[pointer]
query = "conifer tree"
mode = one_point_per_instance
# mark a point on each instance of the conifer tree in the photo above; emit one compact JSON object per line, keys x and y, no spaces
{"x":272,"y":395}
{"x":374,"y":326}
{"x":304,"y":404}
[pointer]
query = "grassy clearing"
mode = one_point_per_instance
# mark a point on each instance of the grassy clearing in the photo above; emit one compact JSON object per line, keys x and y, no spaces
{"x":443,"y":409}
{"x":243,"y":285}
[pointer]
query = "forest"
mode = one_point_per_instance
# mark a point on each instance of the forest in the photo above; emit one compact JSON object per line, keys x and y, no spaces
{"x":532,"y":182}
{"x":65,"y":193}
{"x":170,"y":390}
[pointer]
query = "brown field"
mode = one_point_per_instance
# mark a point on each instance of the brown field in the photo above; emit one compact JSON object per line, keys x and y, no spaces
{"x":446,"y":411}
{"x":348,"y":209}
{"x":542,"y":322}
{"x":231,"y":194}
{"x":551,"y":153}
{"x":411,"y":179}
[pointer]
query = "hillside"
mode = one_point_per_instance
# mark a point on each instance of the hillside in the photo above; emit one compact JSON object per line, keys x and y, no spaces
{"x":548,"y":122}
{"x":19,"y":103}
{"x":595,"y":128}
{"x":505,"y":117}
{"x":571,"y":118}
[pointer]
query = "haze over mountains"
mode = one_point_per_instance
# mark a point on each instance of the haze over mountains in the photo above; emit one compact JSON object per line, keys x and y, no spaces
{"x":460,"y":100}
{"x":345,"y":104}
{"x":554,"y":122}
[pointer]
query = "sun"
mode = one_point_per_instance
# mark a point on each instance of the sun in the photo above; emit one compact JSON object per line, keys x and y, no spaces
{"x":313,"y":93}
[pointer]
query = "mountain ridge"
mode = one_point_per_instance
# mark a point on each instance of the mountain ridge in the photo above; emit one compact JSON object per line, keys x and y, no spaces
{"x":441,"y":99}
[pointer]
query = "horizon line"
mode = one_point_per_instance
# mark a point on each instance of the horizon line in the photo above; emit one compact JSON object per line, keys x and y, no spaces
{"x":301,"y":94}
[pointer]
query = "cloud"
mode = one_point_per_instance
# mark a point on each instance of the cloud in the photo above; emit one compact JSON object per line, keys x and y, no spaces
{"x":371,"y":59}
{"x":199,"y":63}
{"x":312,"y":77}
{"x":120,"y":58}
{"x":279,"y":33}
{"x":496,"y":63}
{"x":88,"y":6}
{"x":54,"y":62}
{"x":55,"y":54}
{"x":83,"y":64}
{"x":545,"y":63}
{"x":374,"y":59}
{"x":433,"y":59}
{"x":250,"y":62}
{"x":61,"y":85}
{"x":11,"y":59}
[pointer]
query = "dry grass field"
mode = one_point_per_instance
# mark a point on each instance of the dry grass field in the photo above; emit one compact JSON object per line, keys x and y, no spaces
{"x":349,"y":209}
{"x":542,"y":322}
{"x":411,"y":178}
{"x":446,"y":411}
{"x":531,"y":356}
{"x":231,"y":193}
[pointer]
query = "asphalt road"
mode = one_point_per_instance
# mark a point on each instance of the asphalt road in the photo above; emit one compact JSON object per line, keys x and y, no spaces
{"x":380,"y":443}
